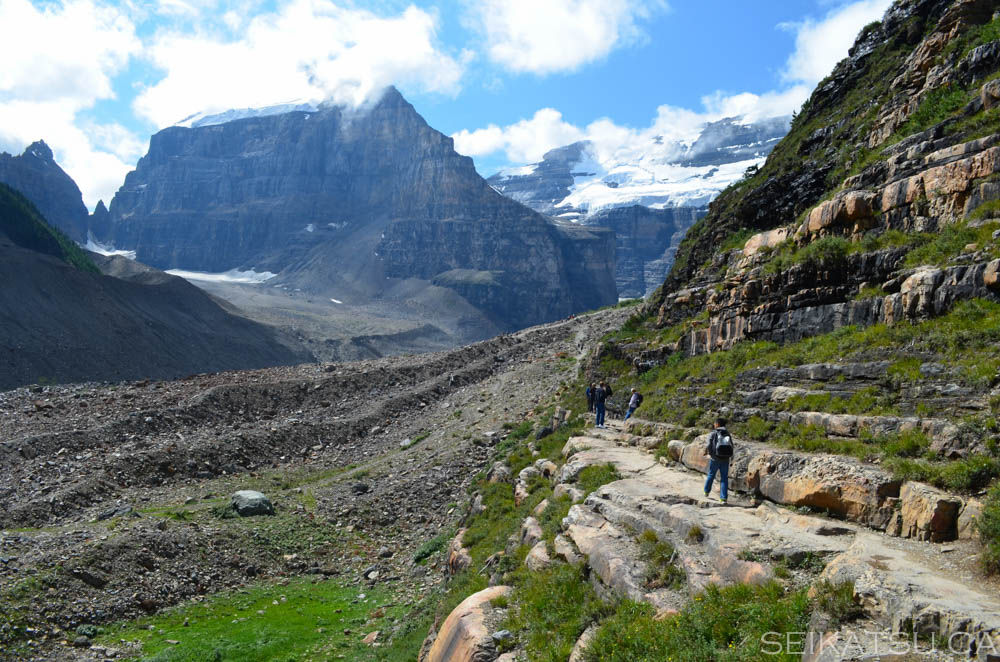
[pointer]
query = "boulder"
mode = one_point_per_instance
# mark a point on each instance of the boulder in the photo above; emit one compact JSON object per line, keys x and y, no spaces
{"x":969,"y":518}
{"x":465,"y":634}
{"x":767,"y":239}
{"x":675,"y":448}
{"x":927,"y":513}
{"x":247,"y":503}
{"x":531,"y":532}
{"x":991,"y":276}
{"x":498,"y":473}
{"x":540,"y":508}
{"x":520,"y":493}
{"x":582,"y":643}
{"x":566,"y":550}
{"x":528,"y":474}
{"x":458,"y":556}
{"x":546,"y":467}
{"x":562,"y":489}
{"x":538,"y":558}
{"x":989,"y":94}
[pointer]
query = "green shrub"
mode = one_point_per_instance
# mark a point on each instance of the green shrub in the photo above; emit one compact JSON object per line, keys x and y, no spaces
{"x":431,"y":547}
{"x":723,"y":624}
{"x":989,"y":530}
{"x":936,"y":106}
{"x":837,"y":600}
{"x":594,"y":476}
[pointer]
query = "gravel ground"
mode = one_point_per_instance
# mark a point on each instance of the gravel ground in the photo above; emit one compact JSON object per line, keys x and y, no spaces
{"x":111,"y":495}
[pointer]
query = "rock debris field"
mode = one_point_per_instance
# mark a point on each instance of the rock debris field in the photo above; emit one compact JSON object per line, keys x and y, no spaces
{"x":113,"y":496}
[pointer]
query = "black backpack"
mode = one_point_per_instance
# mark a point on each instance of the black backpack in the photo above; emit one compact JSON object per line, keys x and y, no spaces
{"x":724,"y":445}
{"x":638,"y":399}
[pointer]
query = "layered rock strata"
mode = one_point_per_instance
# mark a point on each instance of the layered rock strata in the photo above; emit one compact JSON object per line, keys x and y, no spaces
{"x":352,"y":203}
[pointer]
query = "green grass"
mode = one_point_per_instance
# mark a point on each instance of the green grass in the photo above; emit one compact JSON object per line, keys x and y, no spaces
{"x":723,"y":625}
{"x":827,"y":251}
{"x":936,"y":106}
{"x":967,"y":474}
{"x":964,"y":339}
{"x":989,"y":530}
{"x":951,"y":241}
{"x":837,"y":600}
{"x":595,"y":476}
{"x":552,"y":609}
{"x":297,"y":622}
{"x":661,"y":571}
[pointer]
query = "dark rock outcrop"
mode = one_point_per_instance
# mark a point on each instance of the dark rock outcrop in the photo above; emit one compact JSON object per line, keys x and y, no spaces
{"x":40,"y":179}
{"x":349,"y":202}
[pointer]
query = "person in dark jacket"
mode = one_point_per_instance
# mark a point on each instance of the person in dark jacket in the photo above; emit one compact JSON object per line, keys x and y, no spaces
{"x":591,"y":394}
{"x":600,"y":402}
{"x":720,"y":450}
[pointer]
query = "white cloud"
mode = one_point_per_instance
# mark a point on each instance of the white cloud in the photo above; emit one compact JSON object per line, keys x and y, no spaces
{"x":820,"y":45}
{"x":310,"y":50}
{"x":59,"y":60}
{"x":67,"y":53}
{"x":557,"y":35}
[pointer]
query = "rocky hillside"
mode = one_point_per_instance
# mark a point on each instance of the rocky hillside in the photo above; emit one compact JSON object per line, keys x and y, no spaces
{"x":38,"y":177}
{"x":350,"y":204}
{"x":63,"y":320}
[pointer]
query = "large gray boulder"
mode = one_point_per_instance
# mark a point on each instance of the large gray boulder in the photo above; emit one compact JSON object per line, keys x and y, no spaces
{"x":247,"y":503}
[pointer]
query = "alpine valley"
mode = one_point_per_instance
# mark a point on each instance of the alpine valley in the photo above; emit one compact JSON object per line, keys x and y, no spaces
{"x":834,"y":305}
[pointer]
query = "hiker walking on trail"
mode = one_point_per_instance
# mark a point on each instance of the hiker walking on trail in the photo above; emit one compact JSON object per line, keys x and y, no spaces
{"x":720,"y":450}
{"x":600,"y":402}
{"x":591,"y":394}
{"x":633,"y":403}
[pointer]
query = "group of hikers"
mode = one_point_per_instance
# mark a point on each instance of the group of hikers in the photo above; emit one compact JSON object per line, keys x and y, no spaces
{"x":719,"y":447}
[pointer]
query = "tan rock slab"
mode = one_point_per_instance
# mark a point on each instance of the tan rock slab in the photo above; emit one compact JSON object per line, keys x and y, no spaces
{"x":465,"y":635}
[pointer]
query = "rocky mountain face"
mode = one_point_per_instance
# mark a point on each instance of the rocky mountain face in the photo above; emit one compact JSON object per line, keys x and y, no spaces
{"x":859,"y":214}
{"x":36,"y":175}
{"x":646,"y":240}
{"x":351,"y":203}
{"x":649,"y":197}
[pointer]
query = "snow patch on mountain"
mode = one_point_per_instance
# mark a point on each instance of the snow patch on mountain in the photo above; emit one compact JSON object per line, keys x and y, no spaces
{"x":687,"y":169}
{"x":211,"y":119}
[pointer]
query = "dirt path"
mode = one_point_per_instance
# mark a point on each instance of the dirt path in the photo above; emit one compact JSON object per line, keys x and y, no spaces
{"x":905,"y":586}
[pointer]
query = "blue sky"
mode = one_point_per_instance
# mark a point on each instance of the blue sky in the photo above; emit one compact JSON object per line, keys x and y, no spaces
{"x":509,"y":79}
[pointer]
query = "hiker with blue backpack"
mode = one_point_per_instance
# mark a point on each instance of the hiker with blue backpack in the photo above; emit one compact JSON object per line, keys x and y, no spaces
{"x":720,"y":450}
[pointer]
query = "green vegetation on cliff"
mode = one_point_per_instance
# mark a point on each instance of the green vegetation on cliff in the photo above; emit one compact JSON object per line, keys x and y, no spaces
{"x":24,"y":225}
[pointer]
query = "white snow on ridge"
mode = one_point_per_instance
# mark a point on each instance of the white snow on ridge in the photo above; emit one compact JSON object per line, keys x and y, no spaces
{"x":94,"y":246}
{"x":655,"y":185}
{"x":211,"y":119}
{"x":231,"y":276}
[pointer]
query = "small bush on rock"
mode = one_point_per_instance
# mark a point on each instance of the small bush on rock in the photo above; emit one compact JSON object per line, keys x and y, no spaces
{"x":989,"y":530}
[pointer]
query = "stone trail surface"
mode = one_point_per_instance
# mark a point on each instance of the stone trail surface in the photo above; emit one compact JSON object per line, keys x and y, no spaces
{"x":904,"y":586}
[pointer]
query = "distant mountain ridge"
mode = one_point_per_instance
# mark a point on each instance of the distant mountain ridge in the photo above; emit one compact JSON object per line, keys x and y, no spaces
{"x":573,"y":181}
{"x":352,"y":204}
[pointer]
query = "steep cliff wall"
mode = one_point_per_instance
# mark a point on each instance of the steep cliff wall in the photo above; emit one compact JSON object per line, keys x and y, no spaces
{"x":339,"y":200}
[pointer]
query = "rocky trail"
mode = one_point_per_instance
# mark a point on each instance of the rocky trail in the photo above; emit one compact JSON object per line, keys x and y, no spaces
{"x":926,"y":598}
{"x":110,"y":495}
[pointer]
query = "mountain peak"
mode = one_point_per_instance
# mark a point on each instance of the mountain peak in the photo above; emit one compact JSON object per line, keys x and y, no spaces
{"x":40,"y":150}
